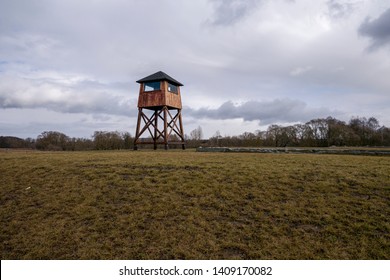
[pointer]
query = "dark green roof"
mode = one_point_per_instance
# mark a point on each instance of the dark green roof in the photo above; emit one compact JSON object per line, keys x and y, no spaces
{"x":159,"y":76}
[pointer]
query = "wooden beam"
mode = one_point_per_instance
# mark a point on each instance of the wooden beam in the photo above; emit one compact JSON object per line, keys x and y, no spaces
{"x":165,"y":109}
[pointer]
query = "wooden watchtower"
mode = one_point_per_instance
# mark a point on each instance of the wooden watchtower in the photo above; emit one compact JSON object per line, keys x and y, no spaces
{"x":159,"y":111}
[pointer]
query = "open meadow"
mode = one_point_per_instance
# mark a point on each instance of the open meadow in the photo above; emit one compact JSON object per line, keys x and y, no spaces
{"x":189,"y":205}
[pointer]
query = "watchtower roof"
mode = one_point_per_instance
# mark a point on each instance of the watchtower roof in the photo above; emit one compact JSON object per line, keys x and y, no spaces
{"x":159,"y":76}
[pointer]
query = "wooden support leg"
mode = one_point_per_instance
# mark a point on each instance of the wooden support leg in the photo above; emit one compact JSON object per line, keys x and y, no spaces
{"x":181,"y":129}
{"x":137,"y":130}
{"x":165,"y":128}
{"x":155,"y":130}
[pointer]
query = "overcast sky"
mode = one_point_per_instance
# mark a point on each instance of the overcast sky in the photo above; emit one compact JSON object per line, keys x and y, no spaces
{"x":71,"y":66}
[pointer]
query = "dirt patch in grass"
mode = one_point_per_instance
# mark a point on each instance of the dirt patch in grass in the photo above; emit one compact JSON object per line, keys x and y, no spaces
{"x":188,"y":205}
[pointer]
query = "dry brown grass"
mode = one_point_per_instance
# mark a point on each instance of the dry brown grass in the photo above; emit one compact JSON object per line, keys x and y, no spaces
{"x":188,"y":205}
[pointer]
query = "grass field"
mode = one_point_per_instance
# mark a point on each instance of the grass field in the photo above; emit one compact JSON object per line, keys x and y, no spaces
{"x":188,"y":205}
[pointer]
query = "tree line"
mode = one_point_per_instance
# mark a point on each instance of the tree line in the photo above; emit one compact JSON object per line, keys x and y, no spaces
{"x":322,"y":132}
{"x":58,"y":141}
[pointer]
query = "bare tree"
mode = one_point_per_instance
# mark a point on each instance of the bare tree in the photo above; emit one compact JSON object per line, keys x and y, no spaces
{"x":196,"y":134}
{"x":53,"y":140}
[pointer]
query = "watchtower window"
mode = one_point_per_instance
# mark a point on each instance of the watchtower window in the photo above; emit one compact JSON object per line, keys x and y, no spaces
{"x":172,"y":88}
{"x":151,"y":86}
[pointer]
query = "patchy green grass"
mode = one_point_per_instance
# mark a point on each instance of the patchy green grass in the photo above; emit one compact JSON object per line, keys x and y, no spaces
{"x":188,"y":205}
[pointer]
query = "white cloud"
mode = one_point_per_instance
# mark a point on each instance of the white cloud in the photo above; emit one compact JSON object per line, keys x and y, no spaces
{"x":300,"y":70}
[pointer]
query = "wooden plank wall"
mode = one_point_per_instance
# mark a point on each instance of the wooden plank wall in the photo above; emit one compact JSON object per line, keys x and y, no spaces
{"x":159,"y":98}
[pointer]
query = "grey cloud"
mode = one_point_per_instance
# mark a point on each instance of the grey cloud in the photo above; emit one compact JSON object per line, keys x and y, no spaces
{"x":81,"y":97}
{"x":276,"y":111}
{"x":338,"y":10}
{"x":220,"y":49}
{"x":378,"y":30}
{"x":228,"y":12}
